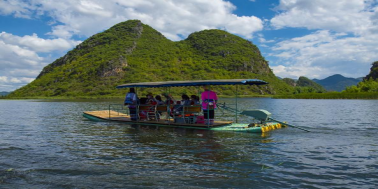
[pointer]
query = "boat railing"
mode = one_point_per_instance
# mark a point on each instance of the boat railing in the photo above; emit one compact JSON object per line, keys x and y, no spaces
{"x":175,"y":112}
{"x":228,"y":111}
{"x":187,"y":114}
{"x":118,"y":109}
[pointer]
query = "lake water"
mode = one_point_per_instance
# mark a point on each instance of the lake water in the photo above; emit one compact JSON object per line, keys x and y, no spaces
{"x":48,"y":144}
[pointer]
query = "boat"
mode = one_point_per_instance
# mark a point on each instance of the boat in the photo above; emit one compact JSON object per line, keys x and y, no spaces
{"x":190,"y":115}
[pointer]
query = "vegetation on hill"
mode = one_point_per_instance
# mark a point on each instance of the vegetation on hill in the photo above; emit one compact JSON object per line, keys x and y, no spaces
{"x":366,"y":89}
{"x":337,"y":82}
{"x":134,"y":52}
{"x":369,"y":84}
{"x":373,"y":72}
{"x":290,"y":81}
{"x":304,"y":85}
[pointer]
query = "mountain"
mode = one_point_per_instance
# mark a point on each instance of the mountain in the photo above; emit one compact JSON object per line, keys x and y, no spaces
{"x":290,"y":81}
{"x":337,"y":82}
{"x":305,"y":82}
{"x":4,"y":93}
{"x":304,"y":85}
{"x":134,"y":52}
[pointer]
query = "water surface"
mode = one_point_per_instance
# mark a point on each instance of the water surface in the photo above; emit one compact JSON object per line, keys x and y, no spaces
{"x":48,"y":144}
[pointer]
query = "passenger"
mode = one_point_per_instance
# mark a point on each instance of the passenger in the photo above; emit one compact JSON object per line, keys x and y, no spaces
{"x":209,"y":100}
{"x":169,"y":99}
{"x":177,"y":109}
{"x":131,"y":100}
{"x":194,"y":100}
{"x":159,"y":101}
{"x":150,"y":99}
{"x":185,"y":100}
{"x":147,"y":107}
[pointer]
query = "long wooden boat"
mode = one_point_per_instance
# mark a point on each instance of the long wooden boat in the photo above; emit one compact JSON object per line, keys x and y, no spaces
{"x":187,"y":118}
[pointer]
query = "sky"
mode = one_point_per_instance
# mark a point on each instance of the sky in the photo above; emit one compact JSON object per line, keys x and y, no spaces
{"x":312,"y":38}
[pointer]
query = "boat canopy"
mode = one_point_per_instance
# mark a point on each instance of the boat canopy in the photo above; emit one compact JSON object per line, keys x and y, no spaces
{"x":194,"y":83}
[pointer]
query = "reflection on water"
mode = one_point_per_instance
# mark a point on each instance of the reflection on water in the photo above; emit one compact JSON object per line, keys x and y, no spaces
{"x":49,"y":144}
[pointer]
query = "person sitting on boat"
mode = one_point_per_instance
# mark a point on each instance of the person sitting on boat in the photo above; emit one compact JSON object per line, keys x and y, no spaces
{"x":148,"y":107}
{"x":150,"y":99}
{"x":177,"y":109}
{"x":179,"y":106}
{"x":185,"y":100}
{"x":159,"y":101}
{"x":209,"y":100}
{"x":131,"y":100}
{"x":169,"y":99}
{"x":194,"y":100}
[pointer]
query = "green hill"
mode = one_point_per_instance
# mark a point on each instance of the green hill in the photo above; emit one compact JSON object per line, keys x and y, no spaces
{"x":369,"y":83}
{"x":373,"y":72}
{"x":304,"y":85}
{"x":337,"y":82}
{"x":134,"y":52}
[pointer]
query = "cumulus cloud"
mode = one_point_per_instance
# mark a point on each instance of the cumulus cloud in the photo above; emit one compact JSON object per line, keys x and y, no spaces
{"x":173,"y":18}
{"x":11,"y":83}
{"x":20,"y":60}
{"x":341,"y":16}
{"x":37,"y":44}
{"x":14,"y":61}
{"x":324,"y":53}
{"x":17,"y":8}
{"x":344,"y":40}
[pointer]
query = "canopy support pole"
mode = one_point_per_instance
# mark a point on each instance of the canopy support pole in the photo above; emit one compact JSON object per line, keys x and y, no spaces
{"x":236,"y":104}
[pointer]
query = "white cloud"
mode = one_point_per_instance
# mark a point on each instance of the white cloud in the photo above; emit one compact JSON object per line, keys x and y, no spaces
{"x":15,"y":7}
{"x":340,"y":16}
{"x":263,"y":40}
{"x":344,"y":41}
{"x":20,"y":61}
{"x":18,"y":65}
{"x":324,"y":53}
{"x":170,"y":17}
{"x":37,"y":44}
{"x":12,"y":83}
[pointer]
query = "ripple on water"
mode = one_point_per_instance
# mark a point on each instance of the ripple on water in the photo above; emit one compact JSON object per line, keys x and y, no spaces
{"x":51,"y":145}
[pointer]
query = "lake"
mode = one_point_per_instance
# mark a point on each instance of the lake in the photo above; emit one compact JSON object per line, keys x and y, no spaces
{"x":48,"y":144}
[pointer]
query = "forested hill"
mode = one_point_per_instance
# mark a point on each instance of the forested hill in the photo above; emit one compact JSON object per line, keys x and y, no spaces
{"x":369,"y":83}
{"x":134,"y":52}
{"x":373,"y":72}
{"x":337,"y":82}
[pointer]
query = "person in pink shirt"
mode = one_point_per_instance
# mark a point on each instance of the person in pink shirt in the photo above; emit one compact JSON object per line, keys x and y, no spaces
{"x":209,"y":103}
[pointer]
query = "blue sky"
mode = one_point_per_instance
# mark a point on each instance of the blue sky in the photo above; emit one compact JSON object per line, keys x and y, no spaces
{"x":312,"y":38}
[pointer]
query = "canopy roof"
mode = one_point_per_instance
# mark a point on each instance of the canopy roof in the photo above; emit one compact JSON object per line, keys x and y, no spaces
{"x":195,"y":83}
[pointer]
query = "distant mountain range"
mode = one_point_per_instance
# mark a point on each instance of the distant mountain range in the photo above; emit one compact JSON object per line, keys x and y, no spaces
{"x":337,"y":82}
{"x":4,"y":93}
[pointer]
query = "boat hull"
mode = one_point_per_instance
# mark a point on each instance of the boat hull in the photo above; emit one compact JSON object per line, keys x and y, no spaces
{"x":233,"y":127}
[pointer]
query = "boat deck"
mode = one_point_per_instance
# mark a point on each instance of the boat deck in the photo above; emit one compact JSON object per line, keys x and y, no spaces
{"x":121,"y":117}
